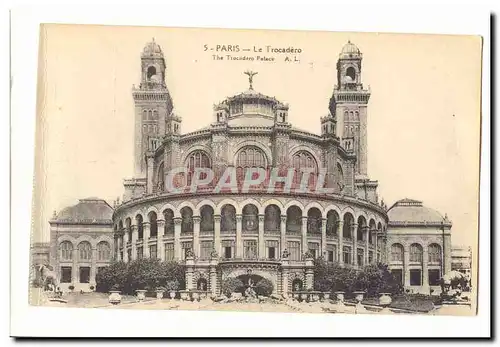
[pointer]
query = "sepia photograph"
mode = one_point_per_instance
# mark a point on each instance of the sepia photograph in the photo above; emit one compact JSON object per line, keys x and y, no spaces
{"x":176,"y":177}
{"x":206,"y":169}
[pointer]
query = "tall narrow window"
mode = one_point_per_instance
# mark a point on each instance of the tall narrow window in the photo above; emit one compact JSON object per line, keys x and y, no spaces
{"x":294,"y":250}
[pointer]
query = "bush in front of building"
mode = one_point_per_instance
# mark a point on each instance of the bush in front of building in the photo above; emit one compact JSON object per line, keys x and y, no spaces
{"x":376,"y":279}
{"x":139,"y":274}
{"x":332,"y":277}
{"x":231,"y":285}
{"x":264,"y":287}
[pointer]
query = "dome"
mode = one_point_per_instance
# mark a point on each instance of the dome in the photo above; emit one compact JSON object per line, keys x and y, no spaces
{"x":350,"y":49}
{"x":410,"y":211}
{"x":87,"y":210}
{"x":152,"y":48}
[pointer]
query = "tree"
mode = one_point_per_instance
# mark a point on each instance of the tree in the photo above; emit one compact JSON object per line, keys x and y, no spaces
{"x":113,"y":275}
{"x":231,"y":285}
{"x":376,"y":279}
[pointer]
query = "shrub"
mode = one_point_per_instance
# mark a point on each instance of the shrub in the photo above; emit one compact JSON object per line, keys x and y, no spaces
{"x":264,"y":287}
{"x":71,"y":287}
{"x":115,"y":287}
{"x":376,"y":279}
{"x":161,"y":289}
{"x":114,"y":274}
{"x":91,"y":287}
{"x":231,"y":285}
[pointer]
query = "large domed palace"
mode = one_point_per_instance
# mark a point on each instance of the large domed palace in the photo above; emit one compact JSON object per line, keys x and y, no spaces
{"x":250,"y":193}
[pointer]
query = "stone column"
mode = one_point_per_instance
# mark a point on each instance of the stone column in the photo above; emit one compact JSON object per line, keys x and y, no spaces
{"x":150,"y":167}
{"x":189,"y":272}
{"x":213,"y":276}
{"x":309,"y":273}
{"x":425,"y":269}
{"x":375,"y":241}
{"x":323,"y":237}
{"x":406,"y":267}
{"x":304,"y":235}
{"x":125,"y":242}
{"x":340,"y":235}
{"x":93,"y":267}
{"x":74,"y":272}
{"x":135,"y":236}
{"x":217,"y":221}
{"x":262,"y":245}
{"x":146,"y":227}
{"x":196,"y":235}
{"x":239,"y":240}
{"x":177,"y":238}
{"x":366,"y":232}
{"x":284,"y":276}
{"x":354,"y":234}
{"x":283,"y":235}
{"x":160,"y":245}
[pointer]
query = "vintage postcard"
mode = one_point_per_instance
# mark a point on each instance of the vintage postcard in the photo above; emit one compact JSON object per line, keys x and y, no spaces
{"x":254,"y":170}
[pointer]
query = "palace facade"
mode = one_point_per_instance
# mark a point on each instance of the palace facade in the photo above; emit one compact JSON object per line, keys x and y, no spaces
{"x":271,"y":233}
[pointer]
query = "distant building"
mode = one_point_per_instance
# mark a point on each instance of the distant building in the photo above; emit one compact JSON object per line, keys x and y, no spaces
{"x":81,"y":241}
{"x":419,"y":245}
{"x":461,"y":259}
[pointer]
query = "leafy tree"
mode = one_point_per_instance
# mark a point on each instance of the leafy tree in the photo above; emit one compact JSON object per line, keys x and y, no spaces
{"x":264,"y":287}
{"x":113,"y":275}
{"x":376,"y":279}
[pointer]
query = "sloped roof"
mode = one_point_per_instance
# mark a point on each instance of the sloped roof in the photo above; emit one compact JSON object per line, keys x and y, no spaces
{"x":90,"y":210}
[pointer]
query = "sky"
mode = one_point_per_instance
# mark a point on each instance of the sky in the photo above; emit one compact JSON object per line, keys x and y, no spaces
{"x":423,"y":114}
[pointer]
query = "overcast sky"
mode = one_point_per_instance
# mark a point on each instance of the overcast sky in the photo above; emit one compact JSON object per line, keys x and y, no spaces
{"x":423,"y":115}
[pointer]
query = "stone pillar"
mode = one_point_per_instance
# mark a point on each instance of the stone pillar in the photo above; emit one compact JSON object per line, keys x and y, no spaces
{"x":283,"y":234}
{"x":93,"y":267}
{"x":74,"y":272}
{"x":239,"y":240}
{"x":213,"y":276}
{"x":217,"y":221}
{"x":406,"y":266}
{"x":160,"y":245}
{"x":323,"y":237}
{"x":366,"y":232}
{"x":304,"y":235}
{"x":285,"y":263}
{"x":146,"y":227}
{"x":309,"y":273}
{"x":177,"y":238}
{"x":262,"y":245}
{"x":196,"y":235}
{"x":375,"y":241}
{"x":340,"y":234}
{"x":125,"y":249}
{"x":189,"y":272}
{"x":425,"y":269}
{"x":354,"y":234}
{"x":150,"y":167}
{"x":135,"y":236}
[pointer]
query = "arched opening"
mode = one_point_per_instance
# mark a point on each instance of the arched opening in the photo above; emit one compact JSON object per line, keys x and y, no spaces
{"x":434,"y":264}
{"x":140,"y":227}
{"x":66,"y":250}
{"x":251,"y":156}
{"x":128,"y":226}
{"x":202,"y":284}
{"x":153,"y":225}
{"x":340,"y":177}
{"x":416,"y":259}
{"x":294,"y":219}
{"x":314,"y":221}
{"x":151,"y":72}
{"x":371,"y":231}
{"x":360,"y":235}
{"x":160,"y":186}
{"x":351,"y":73}
{"x":187,"y":220}
{"x":346,"y":228}
{"x":228,"y":219}
{"x":272,"y":219}
{"x":196,"y":159}
{"x":84,"y":251}
{"x":332,"y":219}
{"x":168,"y":216}
{"x":103,"y":251}
{"x":303,"y":160}
{"x":207,"y":218}
{"x":297,"y":285}
{"x":250,"y":218}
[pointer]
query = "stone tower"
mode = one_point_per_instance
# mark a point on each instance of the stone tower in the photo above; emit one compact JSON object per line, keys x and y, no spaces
{"x":349,"y":105}
{"x":153,"y":105}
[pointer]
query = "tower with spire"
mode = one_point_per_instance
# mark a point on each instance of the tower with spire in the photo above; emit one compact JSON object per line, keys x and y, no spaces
{"x":153,"y":106}
{"x":349,"y":105}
